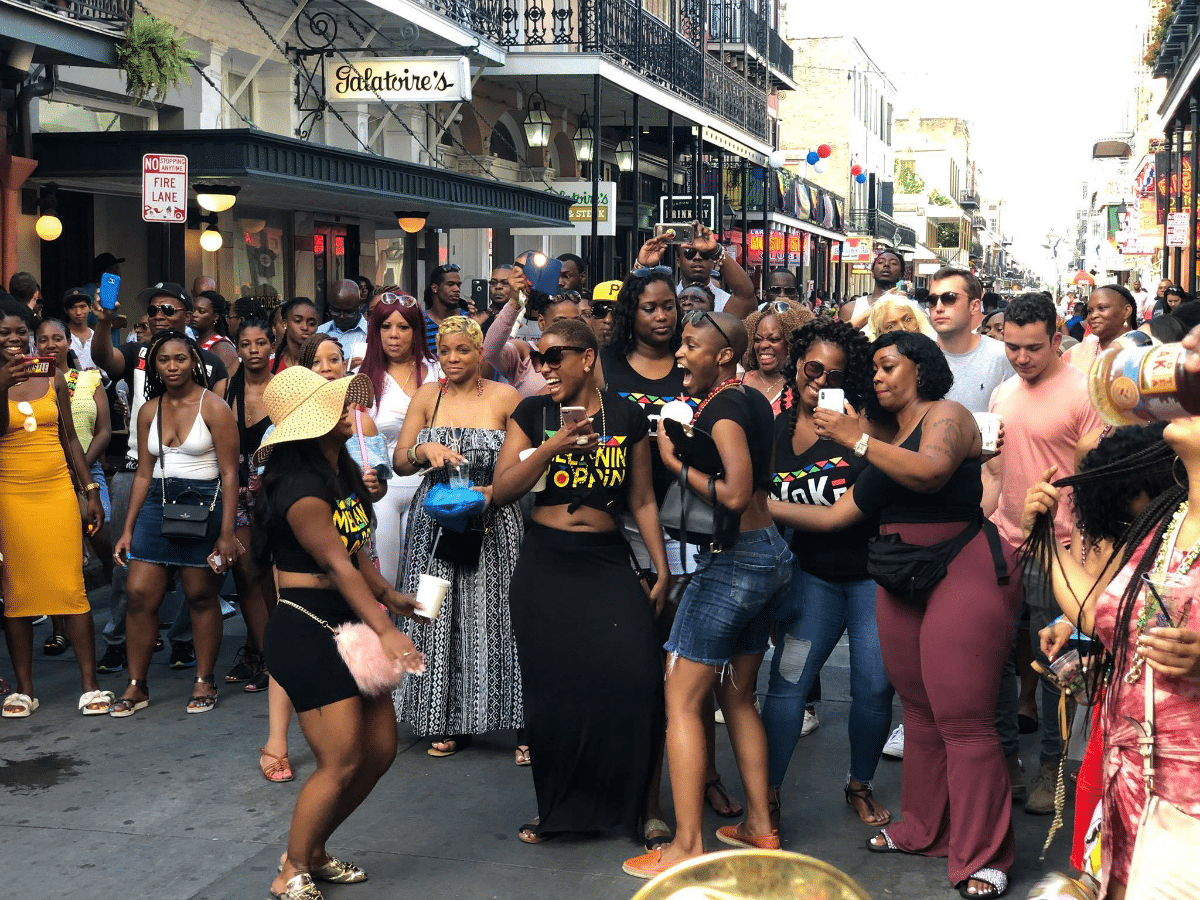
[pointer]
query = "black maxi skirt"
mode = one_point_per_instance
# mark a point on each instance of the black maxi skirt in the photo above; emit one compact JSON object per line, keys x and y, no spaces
{"x":592,"y":674}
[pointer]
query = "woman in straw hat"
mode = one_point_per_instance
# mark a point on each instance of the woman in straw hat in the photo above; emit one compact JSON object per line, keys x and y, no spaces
{"x":474,"y":683}
{"x":315,"y":518}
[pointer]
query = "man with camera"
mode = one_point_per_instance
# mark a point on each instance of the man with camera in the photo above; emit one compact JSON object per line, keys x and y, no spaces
{"x":700,"y":259}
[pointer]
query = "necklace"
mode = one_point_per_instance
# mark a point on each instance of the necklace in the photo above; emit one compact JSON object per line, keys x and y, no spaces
{"x":1162,"y":562}
{"x":771,"y":385}
{"x":732,"y":382}
{"x":603,"y":421}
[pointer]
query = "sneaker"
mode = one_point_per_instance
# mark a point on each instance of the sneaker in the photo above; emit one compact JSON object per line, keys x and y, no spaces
{"x":1041,"y":797}
{"x":1016,"y":775}
{"x":245,"y":665}
{"x":719,"y":716}
{"x":183,"y":656}
{"x":811,"y":722}
{"x":39,"y":620}
{"x":113,"y":660}
{"x":894,"y":748}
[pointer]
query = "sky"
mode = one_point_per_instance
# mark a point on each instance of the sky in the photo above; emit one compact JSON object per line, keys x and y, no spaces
{"x":1037,"y":80}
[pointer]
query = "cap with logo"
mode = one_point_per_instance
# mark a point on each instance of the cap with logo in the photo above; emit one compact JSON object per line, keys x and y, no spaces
{"x":606,"y":291}
{"x":76,"y":295}
{"x":106,"y":261}
{"x":164,"y":289}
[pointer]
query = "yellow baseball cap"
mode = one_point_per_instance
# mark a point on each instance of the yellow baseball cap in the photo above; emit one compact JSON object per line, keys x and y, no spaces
{"x":607,"y":290}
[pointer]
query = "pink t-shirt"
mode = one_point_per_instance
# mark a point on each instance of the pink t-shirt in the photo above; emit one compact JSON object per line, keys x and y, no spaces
{"x":1042,"y":424}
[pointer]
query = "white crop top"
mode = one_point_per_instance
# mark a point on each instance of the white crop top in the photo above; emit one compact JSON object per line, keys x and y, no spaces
{"x":195,"y":458}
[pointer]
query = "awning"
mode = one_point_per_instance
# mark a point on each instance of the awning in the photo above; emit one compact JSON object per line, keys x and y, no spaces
{"x":277,"y":172}
{"x":924,"y":254}
{"x":1082,"y":277}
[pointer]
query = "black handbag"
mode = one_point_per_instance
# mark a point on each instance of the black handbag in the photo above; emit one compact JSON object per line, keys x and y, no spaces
{"x":909,"y":572}
{"x":182,"y":520}
{"x":460,"y":548}
{"x":690,"y":520}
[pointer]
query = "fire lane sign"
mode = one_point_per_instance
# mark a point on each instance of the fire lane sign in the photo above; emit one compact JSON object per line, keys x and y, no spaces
{"x":164,"y":188}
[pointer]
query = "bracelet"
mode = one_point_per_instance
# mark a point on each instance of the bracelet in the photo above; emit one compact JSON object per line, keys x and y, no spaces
{"x":412,"y":456}
{"x":89,"y":487}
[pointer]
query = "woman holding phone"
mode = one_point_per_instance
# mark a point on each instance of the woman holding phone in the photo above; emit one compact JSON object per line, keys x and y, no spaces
{"x":187,"y":441}
{"x":40,"y":456}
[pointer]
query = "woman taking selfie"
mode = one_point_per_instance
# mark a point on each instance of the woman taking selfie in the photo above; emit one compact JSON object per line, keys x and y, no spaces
{"x":187,"y":441}
{"x":592,"y":727}
{"x":40,"y":456}
{"x":314,"y":522}
{"x":473,"y":682}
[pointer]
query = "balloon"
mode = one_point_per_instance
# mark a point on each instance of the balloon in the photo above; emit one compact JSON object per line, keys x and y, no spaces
{"x":861,"y":178}
{"x":821,"y":166}
{"x":856,"y":169}
{"x":812,"y":157}
{"x":824,"y":151}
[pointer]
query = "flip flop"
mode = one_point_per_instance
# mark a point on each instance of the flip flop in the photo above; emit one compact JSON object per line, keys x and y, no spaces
{"x":20,"y":704}
{"x":55,"y":645}
{"x":523,"y":758}
{"x":528,"y":833}
{"x":457,"y":742}
{"x":734,"y":809}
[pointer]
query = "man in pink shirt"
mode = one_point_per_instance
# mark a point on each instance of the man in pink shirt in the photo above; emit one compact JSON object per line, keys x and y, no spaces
{"x":1046,"y":411}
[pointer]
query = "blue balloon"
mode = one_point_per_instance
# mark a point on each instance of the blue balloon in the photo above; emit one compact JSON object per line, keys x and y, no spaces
{"x":812,"y":157}
{"x":861,"y":177}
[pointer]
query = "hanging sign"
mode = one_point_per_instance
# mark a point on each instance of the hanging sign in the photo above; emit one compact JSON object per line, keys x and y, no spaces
{"x":682,"y":209}
{"x":164,"y":187}
{"x":411,"y":79}
{"x":1177,"y":229}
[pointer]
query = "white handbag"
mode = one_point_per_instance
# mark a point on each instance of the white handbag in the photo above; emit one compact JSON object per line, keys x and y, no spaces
{"x":1164,"y":865}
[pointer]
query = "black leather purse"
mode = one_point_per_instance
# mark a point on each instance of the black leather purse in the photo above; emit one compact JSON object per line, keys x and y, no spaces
{"x":687,"y":517}
{"x":182,"y":520}
{"x":460,"y":548}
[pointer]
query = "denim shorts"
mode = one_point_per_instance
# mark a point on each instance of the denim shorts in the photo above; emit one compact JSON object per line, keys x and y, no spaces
{"x":733,"y":600}
{"x":150,"y":545}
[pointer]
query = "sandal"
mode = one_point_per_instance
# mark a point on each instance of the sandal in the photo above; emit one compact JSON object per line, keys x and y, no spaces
{"x":202,"y":703}
{"x":278,"y":771}
{"x":96,"y":703}
{"x":299,"y":887}
{"x":19,"y":706}
{"x":889,"y":846}
{"x":336,"y":871}
{"x":127,"y":706}
{"x":656,"y":832}
{"x":996,"y":880}
{"x":454,"y":742}
{"x":528,"y":833}
{"x":523,"y":758}
{"x":732,"y":810}
{"x":864,"y":794}
{"x":55,"y":645}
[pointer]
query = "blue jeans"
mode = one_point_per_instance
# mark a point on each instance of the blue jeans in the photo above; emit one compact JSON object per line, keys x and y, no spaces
{"x":811,"y":623}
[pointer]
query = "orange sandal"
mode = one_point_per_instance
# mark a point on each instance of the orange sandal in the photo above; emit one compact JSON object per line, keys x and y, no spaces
{"x":278,"y":771}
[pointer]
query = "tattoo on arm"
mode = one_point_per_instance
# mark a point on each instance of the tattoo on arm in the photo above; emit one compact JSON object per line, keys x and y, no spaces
{"x":948,"y":438}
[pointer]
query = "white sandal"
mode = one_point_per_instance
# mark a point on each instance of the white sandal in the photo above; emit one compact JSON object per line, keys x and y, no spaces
{"x":21,"y":704}
{"x":92,"y":698}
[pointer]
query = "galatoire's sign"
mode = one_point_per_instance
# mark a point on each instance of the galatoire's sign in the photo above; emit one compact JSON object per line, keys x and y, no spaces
{"x":414,"y":79}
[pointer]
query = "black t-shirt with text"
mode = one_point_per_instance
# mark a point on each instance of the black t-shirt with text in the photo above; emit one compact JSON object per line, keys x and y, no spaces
{"x":752,"y":411}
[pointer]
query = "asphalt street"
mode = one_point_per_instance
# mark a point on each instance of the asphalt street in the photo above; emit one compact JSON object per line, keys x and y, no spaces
{"x":171,"y":806}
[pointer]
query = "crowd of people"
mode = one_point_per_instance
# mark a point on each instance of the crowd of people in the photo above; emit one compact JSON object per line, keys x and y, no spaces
{"x":671,"y":478}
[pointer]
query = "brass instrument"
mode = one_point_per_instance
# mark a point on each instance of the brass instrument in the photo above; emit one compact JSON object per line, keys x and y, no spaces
{"x":752,"y":875}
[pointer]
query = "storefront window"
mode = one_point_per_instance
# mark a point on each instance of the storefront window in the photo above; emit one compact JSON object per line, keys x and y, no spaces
{"x":71,"y":115}
{"x":260,"y":264}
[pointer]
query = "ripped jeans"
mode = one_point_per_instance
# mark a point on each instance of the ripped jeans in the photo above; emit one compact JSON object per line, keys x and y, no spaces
{"x":811,"y":623}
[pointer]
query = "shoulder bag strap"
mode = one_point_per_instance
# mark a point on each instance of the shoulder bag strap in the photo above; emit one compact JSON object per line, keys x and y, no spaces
{"x":1146,"y":734}
{"x":362,"y":443}
{"x":998,"y":561}
{"x":162,"y":456}
{"x":436,"y":406}
{"x":685,"y":500}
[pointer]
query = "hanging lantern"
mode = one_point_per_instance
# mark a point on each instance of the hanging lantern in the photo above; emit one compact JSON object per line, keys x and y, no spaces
{"x":211,"y":240}
{"x":584,"y":138}
{"x":625,"y":155}
{"x":537,"y":122}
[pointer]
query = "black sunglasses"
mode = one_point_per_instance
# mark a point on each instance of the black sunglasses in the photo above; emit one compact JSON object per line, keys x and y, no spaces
{"x":602,"y":309}
{"x":552,"y":356}
{"x":652,"y":270}
{"x":449,"y":267}
{"x":568,"y":296}
{"x":946,"y":298}
{"x":786,"y":291}
{"x":696,"y":317}
{"x":165,"y":309}
{"x":834,"y":378}
{"x":692,"y":253}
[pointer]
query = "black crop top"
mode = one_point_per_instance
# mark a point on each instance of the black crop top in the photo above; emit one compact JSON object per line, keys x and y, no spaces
{"x":876,"y":494}
{"x":349,"y":517}
{"x":752,"y":411}
{"x":569,"y":477}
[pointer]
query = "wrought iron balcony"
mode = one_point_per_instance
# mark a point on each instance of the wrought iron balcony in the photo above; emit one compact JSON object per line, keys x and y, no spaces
{"x":664,"y":50}
{"x":780,"y":54}
{"x":879,"y":225}
{"x":93,"y":12}
{"x":968,"y":200}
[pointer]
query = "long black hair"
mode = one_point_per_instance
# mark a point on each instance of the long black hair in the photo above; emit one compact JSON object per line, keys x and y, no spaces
{"x":934,"y":378}
{"x":850,"y":340}
{"x":155,"y":386}
{"x":221,"y":307}
{"x":622,"y":338}
{"x":235,"y":388}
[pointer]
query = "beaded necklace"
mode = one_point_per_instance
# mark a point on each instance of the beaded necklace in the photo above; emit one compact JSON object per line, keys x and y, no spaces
{"x":732,"y":382}
{"x":1161,"y":562}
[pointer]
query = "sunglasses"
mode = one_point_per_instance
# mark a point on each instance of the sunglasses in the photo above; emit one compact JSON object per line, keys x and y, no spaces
{"x":449,"y":267}
{"x":946,"y":298}
{"x":164,"y":309}
{"x":786,"y":291}
{"x":551,"y":357}
{"x":602,"y":309}
{"x":691,"y":253}
{"x":696,"y":317}
{"x":568,"y":297}
{"x":405,"y":300}
{"x":778,"y":306}
{"x":834,"y":378}
{"x":652,"y":270}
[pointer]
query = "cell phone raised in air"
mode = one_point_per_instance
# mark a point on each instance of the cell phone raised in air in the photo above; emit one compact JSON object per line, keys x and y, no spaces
{"x":479,"y":293}
{"x":676,"y":233}
{"x":44,"y":366}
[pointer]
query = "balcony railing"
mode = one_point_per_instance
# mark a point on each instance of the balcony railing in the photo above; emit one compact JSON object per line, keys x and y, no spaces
{"x":99,"y":12}
{"x":664,"y":50}
{"x":780,"y":54}
{"x":968,"y":200}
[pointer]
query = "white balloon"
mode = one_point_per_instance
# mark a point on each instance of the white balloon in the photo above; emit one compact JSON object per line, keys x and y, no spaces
{"x":777,"y":159}
{"x":820,"y":166}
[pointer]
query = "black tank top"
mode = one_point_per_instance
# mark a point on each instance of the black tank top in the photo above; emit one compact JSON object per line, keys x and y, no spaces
{"x":249,"y":438}
{"x":957,"y":501}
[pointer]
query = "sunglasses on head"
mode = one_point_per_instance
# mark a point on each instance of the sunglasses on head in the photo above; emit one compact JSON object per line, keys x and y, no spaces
{"x":165,"y":309}
{"x":691,"y":253}
{"x":552,"y":356}
{"x":646,"y":272}
{"x":568,"y":297}
{"x":404,"y":300}
{"x":946,"y":298}
{"x":696,"y":317}
{"x":813,"y":370}
{"x":449,"y":267}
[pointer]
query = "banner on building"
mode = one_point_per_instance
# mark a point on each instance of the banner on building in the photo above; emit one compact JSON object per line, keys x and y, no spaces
{"x":580,"y":214}
{"x":406,"y":79}
{"x":857,"y":250}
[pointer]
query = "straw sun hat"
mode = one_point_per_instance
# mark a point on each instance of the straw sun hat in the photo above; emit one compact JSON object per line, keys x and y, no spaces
{"x":303,"y":405}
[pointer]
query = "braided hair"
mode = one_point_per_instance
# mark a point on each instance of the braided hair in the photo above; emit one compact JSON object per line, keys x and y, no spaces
{"x":621,"y":339}
{"x":155,"y":386}
{"x":308,"y":350}
{"x":850,"y":340}
{"x":235,"y":388}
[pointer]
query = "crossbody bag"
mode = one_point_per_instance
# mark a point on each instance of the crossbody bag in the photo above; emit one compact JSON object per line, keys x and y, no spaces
{"x":179,"y":519}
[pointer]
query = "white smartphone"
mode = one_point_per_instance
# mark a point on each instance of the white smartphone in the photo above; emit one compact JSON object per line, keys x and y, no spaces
{"x":832,"y":398}
{"x":573,"y":414}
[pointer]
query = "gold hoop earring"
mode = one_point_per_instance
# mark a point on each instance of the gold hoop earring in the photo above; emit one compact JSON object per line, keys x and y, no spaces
{"x":1182,"y":484}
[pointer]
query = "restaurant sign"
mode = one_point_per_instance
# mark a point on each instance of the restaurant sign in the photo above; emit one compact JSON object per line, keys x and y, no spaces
{"x":410,"y":79}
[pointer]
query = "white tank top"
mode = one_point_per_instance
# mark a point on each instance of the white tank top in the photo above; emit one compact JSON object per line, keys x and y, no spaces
{"x":195,"y":458}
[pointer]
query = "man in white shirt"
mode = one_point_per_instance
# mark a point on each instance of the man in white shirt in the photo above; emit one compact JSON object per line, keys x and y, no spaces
{"x":886,"y":270}
{"x":1142,"y":302}
{"x":77,"y":304}
{"x":979,"y":363}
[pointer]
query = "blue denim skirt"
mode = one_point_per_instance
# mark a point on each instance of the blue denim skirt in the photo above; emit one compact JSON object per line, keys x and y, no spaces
{"x":150,"y":546}
{"x":733,"y":599}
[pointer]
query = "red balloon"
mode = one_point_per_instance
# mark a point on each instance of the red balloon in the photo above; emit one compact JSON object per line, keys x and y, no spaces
{"x":824,"y":151}
{"x":856,"y":170}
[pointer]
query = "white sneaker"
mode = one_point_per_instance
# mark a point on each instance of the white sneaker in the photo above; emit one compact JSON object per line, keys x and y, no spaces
{"x":895,"y":743}
{"x":720,"y":715}
{"x":811,"y":722}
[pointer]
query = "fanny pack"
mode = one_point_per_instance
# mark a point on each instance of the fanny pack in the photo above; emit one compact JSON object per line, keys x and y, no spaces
{"x":909,"y":572}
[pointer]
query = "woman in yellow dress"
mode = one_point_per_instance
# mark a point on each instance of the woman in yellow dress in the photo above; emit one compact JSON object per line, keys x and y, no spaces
{"x":40,"y":524}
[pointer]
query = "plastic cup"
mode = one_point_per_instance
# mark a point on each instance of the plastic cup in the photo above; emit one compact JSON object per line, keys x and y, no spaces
{"x":431,"y":591}
{"x":1068,"y":669}
{"x":1171,"y":587}
{"x":989,"y":430}
{"x":459,"y":474}
{"x":540,"y":484}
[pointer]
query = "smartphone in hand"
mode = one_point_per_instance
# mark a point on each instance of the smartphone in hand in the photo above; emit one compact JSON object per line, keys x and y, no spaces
{"x":110,"y":286}
{"x":833,"y":399}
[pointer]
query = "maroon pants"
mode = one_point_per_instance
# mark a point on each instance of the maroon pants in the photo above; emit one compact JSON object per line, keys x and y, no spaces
{"x":945,"y":663}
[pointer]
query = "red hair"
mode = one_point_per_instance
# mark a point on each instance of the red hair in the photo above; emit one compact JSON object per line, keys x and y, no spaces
{"x":375,"y":362}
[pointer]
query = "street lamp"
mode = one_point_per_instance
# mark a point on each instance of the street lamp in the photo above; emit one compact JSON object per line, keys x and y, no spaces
{"x":411,"y":222}
{"x":48,"y":226}
{"x":210,"y":238}
{"x":584,"y":136}
{"x":216,"y":197}
{"x":537,"y":121}
{"x":625,"y":155}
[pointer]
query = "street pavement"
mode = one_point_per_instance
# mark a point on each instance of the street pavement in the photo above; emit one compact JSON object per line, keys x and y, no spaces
{"x":171,"y":806}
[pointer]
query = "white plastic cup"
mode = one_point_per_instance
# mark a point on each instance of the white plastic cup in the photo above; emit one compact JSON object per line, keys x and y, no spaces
{"x":989,"y":430}
{"x":540,"y":484}
{"x":431,"y":591}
